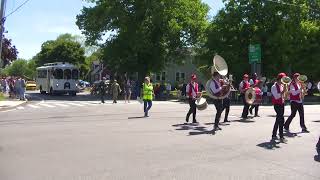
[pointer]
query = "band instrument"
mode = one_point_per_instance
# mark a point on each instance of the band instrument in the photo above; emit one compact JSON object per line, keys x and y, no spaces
{"x":302,"y":79}
{"x":286,"y":82}
{"x":250,"y":96}
{"x":220,"y":66}
{"x":201,"y":103}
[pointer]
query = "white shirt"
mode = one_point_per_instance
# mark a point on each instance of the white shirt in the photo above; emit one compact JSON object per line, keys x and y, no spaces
{"x":274,"y":91}
{"x":213,"y":86}
{"x":294,"y":92}
{"x":193,"y":93}
{"x":241,"y":86}
{"x":309,"y":85}
{"x":251,"y":82}
{"x":265,"y":89}
{"x":168,"y":87}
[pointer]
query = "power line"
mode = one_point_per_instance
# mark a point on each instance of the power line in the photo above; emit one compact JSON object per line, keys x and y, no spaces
{"x":25,"y":2}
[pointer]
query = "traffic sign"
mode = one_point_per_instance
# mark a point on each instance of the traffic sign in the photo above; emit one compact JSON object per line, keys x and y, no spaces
{"x":254,"y":53}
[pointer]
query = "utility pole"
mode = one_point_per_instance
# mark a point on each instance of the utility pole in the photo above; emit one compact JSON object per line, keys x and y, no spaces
{"x":2,"y":20}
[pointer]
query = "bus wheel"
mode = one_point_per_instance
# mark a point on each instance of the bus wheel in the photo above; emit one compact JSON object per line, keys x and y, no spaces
{"x":72,"y":93}
{"x":42,"y":92}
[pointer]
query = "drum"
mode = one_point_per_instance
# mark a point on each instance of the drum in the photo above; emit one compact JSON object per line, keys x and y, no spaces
{"x":201,"y":104}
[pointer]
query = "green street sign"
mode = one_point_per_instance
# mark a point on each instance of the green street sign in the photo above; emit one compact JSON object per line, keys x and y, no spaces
{"x":254,"y":53}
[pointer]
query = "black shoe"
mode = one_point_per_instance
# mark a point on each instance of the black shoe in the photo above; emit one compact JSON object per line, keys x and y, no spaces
{"x":250,"y":111}
{"x":286,"y":128}
{"x":305,"y":130}
{"x":187,"y":120}
{"x":195,"y":121}
{"x":217,"y":128}
{"x":283,"y":140}
{"x":256,"y":115}
{"x":226,"y":120}
{"x":274,"y":138}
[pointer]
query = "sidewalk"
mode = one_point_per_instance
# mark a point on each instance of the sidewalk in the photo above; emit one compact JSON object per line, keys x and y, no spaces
{"x":7,"y":103}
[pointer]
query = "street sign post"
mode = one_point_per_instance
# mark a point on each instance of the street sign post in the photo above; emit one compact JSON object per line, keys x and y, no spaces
{"x":255,"y":58}
{"x":254,"y":53}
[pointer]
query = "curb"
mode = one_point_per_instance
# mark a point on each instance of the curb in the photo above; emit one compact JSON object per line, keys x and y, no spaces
{"x":13,"y":107}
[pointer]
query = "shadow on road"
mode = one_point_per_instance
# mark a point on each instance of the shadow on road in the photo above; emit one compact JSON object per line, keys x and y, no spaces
{"x":244,"y":121}
{"x":138,"y":117}
{"x":270,"y":145}
{"x":316,"y":121}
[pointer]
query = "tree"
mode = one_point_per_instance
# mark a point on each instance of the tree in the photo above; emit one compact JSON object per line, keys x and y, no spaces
{"x":9,"y":52}
{"x":64,"y":49}
{"x":145,"y":35}
{"x":21,"y":67}
{"x":288,"y":35}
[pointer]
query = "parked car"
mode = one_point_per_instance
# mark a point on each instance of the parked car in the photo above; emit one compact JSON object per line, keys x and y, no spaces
{"x":31,"y":85}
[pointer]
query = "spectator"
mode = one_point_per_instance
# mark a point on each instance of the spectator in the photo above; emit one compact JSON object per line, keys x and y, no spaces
{"x":265,"y":93}
{"x":22,"y":89}
{"x":168,"y":88}
{"x":127,"y":90}
{"x":309,"y":88}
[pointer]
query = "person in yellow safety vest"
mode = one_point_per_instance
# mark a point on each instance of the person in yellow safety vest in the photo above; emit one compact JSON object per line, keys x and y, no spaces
{"x":147,"y":94}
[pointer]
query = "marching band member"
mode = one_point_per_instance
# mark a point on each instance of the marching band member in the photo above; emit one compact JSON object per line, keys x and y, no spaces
{"x":216,"y":88}
{"x":243,"y":87}
{"x":192,"y":91}
{"x":258,"y":99}
{"x":296,"y":104}
{"x":277,"y":92}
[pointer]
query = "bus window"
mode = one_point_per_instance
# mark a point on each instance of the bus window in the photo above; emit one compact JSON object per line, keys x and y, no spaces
{"x":42,"y":73}
{"x":67,"y":74}
{"x":58,"y":74}
{"x":75,"y":74}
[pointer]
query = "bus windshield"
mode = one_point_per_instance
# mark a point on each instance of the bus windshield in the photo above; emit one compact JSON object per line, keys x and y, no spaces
{"x":75,"y":74}
{"x":67,"y":74}
{"x":58,"y":74}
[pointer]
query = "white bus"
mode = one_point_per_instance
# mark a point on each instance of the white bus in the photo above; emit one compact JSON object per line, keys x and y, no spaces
{"x":58,"y":78}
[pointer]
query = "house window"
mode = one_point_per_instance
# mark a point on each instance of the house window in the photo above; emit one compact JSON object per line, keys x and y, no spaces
{"x":161,"y":76}
{"x":180,"y":76}
{"x":177,"y":76}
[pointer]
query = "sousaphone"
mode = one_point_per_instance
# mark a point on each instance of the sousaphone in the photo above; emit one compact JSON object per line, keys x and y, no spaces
{"x":220,"y":66}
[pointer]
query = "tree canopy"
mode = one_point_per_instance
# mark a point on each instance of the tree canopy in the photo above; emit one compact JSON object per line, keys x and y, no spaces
{"x":65,"y":48}
{"x":144,"y":34}
{"x":22,"y":68}
{"x":289,"y":35}
{"x":9,"y":52}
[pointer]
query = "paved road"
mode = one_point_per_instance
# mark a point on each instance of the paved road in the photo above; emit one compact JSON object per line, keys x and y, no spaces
{"x":80,"y":139}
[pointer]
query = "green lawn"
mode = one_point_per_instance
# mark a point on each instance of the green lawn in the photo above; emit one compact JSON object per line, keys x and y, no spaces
{"x":2,"y":97}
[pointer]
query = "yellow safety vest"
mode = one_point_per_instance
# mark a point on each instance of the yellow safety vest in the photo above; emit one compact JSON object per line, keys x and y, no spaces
{"x":147,"y":91}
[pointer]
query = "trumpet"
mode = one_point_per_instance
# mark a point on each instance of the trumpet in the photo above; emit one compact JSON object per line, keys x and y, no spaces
{"x":302,"y":79}
{"x":286,"y":81}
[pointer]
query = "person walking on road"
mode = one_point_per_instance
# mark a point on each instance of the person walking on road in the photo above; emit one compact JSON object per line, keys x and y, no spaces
{"x":115,"y":89}
{"x":296,"y":103}
{"x":102,"y":89}
{"x":277,"y":92}
{"x":127,"y":90}
{"x":22,"y":89}
{"x":192,"y":90}
{"x":147,"y":94}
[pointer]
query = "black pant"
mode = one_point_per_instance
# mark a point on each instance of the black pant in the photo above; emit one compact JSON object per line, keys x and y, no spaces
{"x":279,"y":121}
{"x":147,"y":104}
{"x":294,"y":108}
{"x":246,"y":106}
{"x":256,"y":109}
{"x":192,"y":110}
{"x":102,"y":97}
{"x":226,"y":106}
{"x":219,"y":108}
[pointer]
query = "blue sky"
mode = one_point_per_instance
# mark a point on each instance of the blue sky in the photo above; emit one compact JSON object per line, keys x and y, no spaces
{"x":42,"y":20}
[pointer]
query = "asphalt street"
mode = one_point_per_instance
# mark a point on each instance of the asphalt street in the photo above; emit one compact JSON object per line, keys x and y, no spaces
{"x":77,"y":138}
